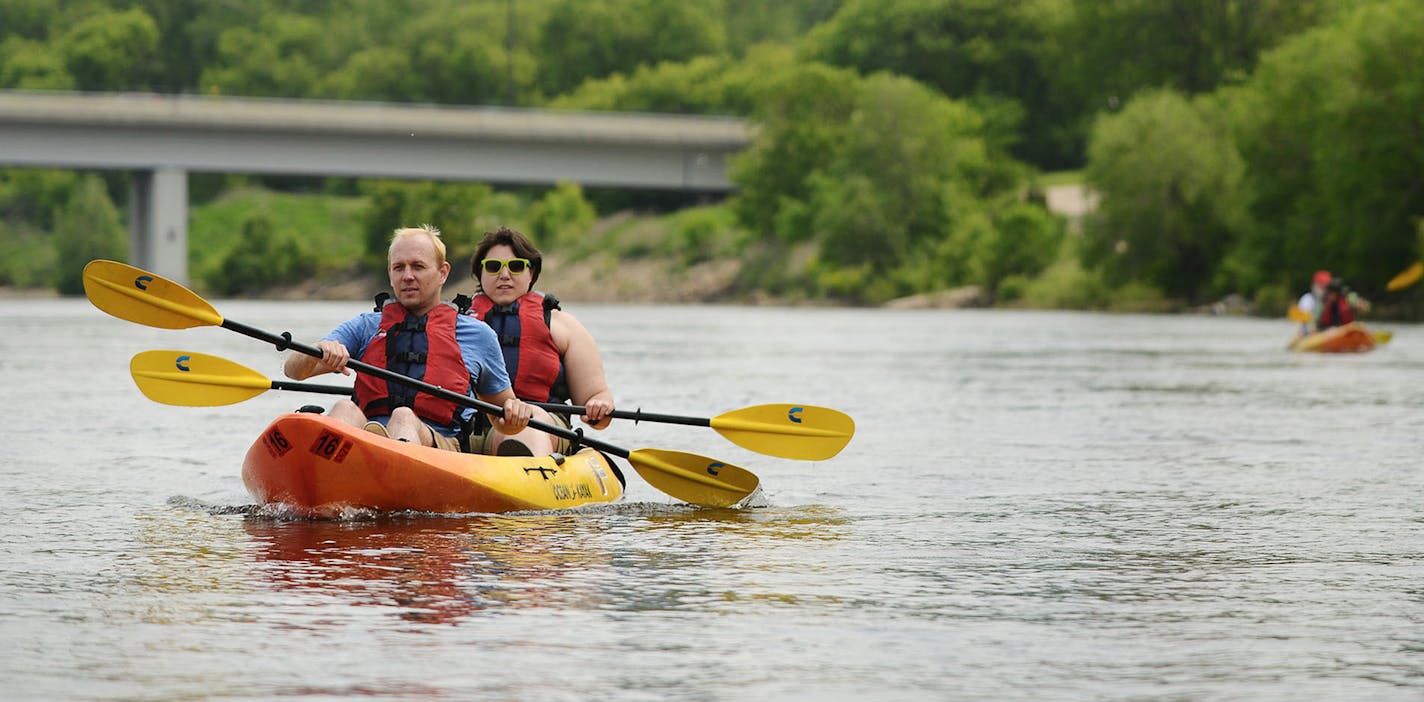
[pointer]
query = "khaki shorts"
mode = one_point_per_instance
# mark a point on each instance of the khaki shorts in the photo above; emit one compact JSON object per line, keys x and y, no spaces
{"x":482,"y":441}
{"x":442,"y":442}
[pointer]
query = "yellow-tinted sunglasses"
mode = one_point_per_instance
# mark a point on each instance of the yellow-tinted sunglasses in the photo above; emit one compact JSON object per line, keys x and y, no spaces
{"x":516,"y":266}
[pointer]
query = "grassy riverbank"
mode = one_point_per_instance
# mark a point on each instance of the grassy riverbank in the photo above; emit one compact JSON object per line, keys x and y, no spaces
{"x":692,"y":255}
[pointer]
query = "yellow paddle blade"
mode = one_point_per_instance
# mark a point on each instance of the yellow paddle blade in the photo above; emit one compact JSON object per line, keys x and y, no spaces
{"x":1382,"y":337}
{"x":803,"y":432}
{"x":692,"y":478}
{"x":1406,"y":278}
{"x":1296,"y":314}
{"x":136,"y":295}
{"x":194,"y":380}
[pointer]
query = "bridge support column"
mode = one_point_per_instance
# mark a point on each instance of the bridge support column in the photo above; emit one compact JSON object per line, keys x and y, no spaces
{"x":158,"y":222}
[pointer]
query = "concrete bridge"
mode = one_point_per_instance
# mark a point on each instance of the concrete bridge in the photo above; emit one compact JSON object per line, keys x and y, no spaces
{"x":162,"y":138}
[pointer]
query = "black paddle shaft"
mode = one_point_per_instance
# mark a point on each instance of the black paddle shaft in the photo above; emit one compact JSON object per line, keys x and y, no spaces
{"x":313,"y":387}
{"x":635,"y":415}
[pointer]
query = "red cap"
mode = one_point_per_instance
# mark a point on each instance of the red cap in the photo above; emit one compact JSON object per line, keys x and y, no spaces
{"x":1321,"y":278}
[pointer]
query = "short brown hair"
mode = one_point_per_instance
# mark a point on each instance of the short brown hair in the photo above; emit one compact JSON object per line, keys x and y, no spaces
{"x":522,"y":246}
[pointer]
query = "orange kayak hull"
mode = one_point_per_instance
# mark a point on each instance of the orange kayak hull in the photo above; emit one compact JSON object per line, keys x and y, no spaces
{"x":1350,"y":338}
{"x":316,"y":466}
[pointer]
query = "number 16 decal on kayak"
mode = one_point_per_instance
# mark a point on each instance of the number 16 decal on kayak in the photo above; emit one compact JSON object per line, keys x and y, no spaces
{"x":331,"y":447}
{"x":276,"y":443}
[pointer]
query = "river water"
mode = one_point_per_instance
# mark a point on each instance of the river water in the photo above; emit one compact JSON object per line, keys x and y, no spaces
{"x":1035,"y":506}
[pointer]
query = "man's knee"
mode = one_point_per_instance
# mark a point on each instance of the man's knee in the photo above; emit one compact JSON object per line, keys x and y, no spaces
{"x":347,"y":411}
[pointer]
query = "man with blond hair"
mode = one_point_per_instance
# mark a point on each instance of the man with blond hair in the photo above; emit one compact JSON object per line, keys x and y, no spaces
{"x":416,"y":334}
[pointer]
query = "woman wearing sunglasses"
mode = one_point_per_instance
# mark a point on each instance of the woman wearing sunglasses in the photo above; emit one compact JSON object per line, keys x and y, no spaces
{"x":549,"y":355}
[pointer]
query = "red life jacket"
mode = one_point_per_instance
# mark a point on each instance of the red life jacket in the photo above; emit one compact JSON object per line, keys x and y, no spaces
{"x":530,"y":356}
{"x":420,"y":347}
{"x":1336,"y":314}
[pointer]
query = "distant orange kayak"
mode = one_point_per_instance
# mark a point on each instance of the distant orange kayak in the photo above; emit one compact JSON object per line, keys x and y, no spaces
{"x":317,"y":466}
{"x":1350,"y":338}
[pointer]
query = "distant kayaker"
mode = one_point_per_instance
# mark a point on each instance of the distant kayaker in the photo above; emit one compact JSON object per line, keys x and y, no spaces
{"x":418,"y":335}
{"x":550,"y":355}
{"x":1339,"y":305}
{"x":1309,"y":303}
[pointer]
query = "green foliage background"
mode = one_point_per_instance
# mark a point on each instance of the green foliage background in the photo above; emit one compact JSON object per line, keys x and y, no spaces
{"x":1234,"y":145}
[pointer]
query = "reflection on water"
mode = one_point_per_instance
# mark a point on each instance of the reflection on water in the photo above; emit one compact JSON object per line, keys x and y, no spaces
{"x":442,"y":569}
{"x":437,"y":569}
{"x":430,"y":569}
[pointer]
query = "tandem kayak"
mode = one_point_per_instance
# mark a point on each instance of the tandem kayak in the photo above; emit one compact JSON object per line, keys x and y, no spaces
{"x":1350,"y":338}
{"x":318,"y":466}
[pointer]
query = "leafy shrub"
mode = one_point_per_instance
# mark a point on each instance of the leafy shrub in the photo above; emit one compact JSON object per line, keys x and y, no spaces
{"x":262,"y":257}
{"x":87,"y":228}
{"x":703,"y":234}
{"x":26,"y":258}
{"x":560,"y":216}
{"x":1066,"y":285}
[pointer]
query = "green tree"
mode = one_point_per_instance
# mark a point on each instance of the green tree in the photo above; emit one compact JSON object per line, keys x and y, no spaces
{"x":752,"y":22}
{"x":1193,"y":46}
{"x":987,"y":52}
{"x":1015,"y":239}
{"x":1330,"y":126}
{"x":584,"y":39}
{"x":26,"y":258}
{"x":561,"y":215}
{"x":34,"y":195}
{"x":189,"y":33}
{"x":382,"y":73}
{"x":1100,"y":54}
{"x":281,"y":56}
{"x":32,"y":65}
{"x":28,"y":19}
{"x":703,"y":85}
{"x":86,"y":228}
{"x":880,"y":173}
{"x":111,"y":50}
{"x":905,"y":151}
{"x":469,"y":54}
{"x":453,"y":208}
{"x":1170,"y":180}
{"x":695,"y":86}
{"x":262,"y":257}
{"x":801,"y":114}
